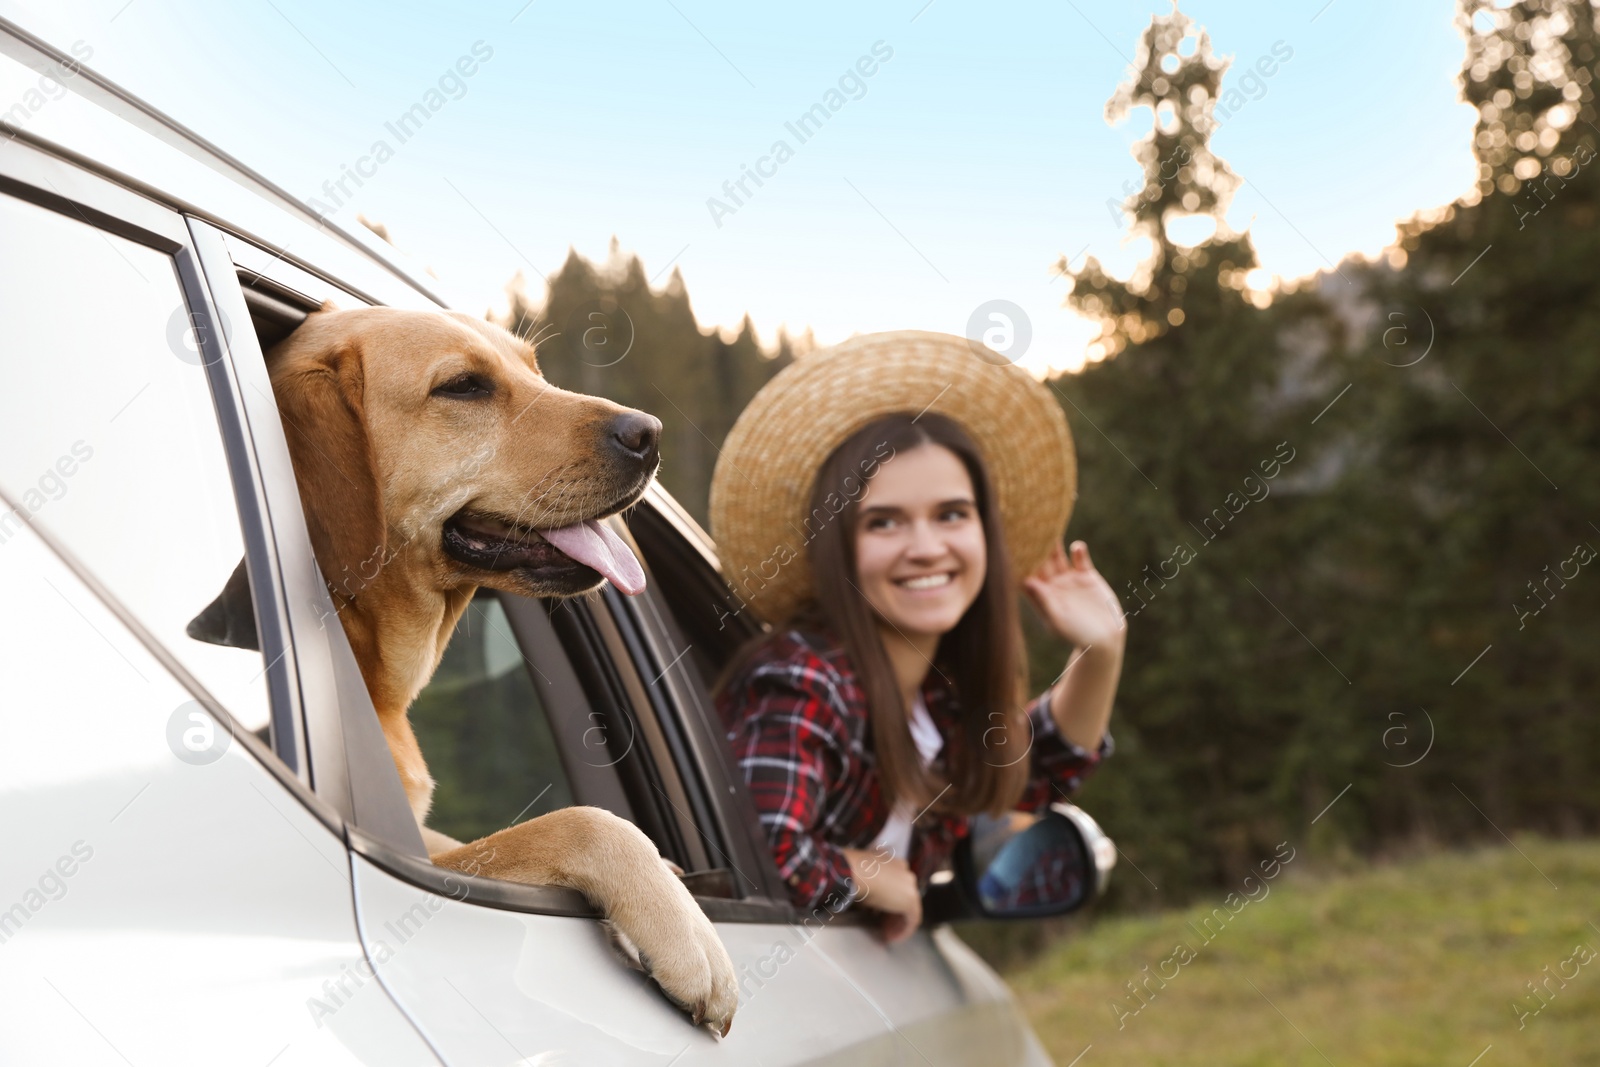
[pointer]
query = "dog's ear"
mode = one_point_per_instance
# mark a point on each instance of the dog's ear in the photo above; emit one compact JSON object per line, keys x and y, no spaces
{"x":230,"y":619}
{"x":320,"y":396}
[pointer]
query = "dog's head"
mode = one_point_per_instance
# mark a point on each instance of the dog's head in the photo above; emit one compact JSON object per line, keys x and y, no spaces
{"x":433,"y":436}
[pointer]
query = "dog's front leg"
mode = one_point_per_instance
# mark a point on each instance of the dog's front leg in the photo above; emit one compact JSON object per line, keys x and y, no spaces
{"x":612,"y":863}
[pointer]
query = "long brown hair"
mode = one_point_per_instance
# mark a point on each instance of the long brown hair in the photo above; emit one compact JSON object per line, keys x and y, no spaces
{"x":982,"y":657}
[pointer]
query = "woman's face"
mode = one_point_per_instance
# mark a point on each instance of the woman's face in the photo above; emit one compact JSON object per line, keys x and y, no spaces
{"x":920,"y":553}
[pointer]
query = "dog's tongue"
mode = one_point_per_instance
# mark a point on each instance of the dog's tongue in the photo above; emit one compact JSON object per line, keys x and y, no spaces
{"x":593,"y":544}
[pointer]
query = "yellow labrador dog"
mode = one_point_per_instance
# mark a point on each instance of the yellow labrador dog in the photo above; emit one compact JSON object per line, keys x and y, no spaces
{"x":434,"y":457}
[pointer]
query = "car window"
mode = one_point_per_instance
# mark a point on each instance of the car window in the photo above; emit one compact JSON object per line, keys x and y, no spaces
{"x":483,"y":724}
{"x":109,"y":441}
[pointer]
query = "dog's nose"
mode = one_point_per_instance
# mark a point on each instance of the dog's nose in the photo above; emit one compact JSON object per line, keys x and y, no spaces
{"x":637,"y":434}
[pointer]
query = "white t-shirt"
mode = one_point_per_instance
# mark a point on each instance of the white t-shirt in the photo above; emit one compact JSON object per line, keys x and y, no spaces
{"x":896,"y":833}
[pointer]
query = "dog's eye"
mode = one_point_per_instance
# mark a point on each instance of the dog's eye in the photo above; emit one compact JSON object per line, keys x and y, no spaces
{"x":465,"y":387}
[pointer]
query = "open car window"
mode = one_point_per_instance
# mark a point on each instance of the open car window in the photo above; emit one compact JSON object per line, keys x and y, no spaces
{"x":536,"y":705}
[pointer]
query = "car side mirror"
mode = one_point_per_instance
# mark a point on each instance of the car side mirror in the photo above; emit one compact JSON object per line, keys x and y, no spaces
{"x":1023,"y":867}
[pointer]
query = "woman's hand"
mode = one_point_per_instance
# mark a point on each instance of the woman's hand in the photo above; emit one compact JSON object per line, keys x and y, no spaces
{"x":887,"y":885}
{"x":1080,"y":607}
{"x":1075,"y":600}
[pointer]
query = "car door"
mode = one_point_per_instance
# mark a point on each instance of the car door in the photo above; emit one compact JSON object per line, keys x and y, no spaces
{"x":171,"y":889}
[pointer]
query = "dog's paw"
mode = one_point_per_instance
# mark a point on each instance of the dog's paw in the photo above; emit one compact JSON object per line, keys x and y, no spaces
{"x":681,"y":951}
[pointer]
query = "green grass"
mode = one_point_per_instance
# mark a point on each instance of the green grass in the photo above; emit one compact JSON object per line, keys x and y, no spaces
{"x":1415,"y":962}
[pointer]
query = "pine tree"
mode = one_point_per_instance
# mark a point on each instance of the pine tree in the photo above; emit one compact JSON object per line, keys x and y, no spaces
{"x":1178,"y":78}
{"x":1222,"y":707}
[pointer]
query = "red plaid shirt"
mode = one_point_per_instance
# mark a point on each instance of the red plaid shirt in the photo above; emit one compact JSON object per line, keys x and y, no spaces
{"x":797,"y":721}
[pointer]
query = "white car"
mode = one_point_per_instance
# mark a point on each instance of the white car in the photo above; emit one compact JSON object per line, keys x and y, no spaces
{"x":208,"y":855}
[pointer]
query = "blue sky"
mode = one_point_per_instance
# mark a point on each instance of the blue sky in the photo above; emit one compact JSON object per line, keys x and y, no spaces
{"x":957,"y":173}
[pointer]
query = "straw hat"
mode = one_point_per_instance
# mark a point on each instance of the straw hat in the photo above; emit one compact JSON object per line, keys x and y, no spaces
{"x":764,"y":476}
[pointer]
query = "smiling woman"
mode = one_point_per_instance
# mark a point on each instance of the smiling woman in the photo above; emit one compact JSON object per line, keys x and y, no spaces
{"x":918,"y":558}
{"x":885,"y":707}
